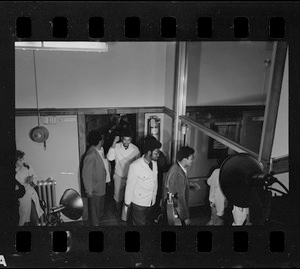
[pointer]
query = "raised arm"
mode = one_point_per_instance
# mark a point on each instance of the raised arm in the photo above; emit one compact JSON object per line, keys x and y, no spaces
{"x":111,"y":155}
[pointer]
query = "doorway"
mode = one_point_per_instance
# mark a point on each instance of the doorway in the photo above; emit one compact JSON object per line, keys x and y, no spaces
{"x":111,"y":125}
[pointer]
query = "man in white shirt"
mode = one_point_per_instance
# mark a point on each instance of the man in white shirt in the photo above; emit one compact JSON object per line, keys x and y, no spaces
{"x":141,"y":187}
{"x":123,"y":153}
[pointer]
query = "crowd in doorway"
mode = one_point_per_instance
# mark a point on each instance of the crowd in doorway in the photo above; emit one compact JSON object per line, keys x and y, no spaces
{"x":141,"y":180}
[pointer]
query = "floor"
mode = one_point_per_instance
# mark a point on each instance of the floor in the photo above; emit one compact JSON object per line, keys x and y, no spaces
{"x":199,"y":214}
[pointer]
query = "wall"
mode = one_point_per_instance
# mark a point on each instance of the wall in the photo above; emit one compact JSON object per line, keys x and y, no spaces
{"x":226,"y":73}
{"x":218,"y":75}
{"x":281,"y":138}
{"x":170,"y":75}
{"x":130,"y":74}
{"x":221,"y":73}
{"x":60,"y":159}
{"x":202,"y":165}
{"x":281,"y":141}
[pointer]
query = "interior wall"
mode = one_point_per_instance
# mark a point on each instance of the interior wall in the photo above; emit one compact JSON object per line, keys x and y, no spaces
{"x":226,"y":73}
{"x":199,"y":142}
{"x":281,"y":138}
{"x":170,"y":75}
{"x":236,"y":79}
{"x":130,"y":74}
{"x":60,"y":159}
{"x":202,"y":165}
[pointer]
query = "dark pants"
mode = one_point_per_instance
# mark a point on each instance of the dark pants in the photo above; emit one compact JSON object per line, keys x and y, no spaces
{"x":156,"y":208}
{"x":96,"y":209}
{"x":139,"y":214}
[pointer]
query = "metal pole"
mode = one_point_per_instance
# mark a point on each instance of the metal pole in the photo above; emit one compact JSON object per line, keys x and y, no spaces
{"x":180,"y":93}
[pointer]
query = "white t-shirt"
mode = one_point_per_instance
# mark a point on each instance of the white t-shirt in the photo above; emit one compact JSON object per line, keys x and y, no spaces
{"x":105,"y":161}
{"x":215,"y":193}
{"x":123,"y":157}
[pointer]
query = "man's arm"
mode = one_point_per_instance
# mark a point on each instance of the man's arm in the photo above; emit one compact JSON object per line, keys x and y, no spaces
{"x":137,"y":155}
{"x":194,"y":186}
{"x":130,"y":184}
{"x":111,"y":154}
{"x":154,"y":193}
{"x":32,"y":176}
{"x":87,"y":172}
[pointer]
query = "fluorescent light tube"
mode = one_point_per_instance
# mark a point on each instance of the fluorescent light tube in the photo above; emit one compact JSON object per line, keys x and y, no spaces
{"x":63,"y":46}
{"x":28,"y":44}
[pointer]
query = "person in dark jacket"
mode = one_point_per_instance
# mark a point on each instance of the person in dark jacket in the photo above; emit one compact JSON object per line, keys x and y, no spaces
{"x":177,"y":183}
{"x":20,"y":192}
{"x":94,"y":174}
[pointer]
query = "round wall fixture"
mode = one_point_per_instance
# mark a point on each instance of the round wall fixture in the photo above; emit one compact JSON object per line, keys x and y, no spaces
{"x":39,"y":134}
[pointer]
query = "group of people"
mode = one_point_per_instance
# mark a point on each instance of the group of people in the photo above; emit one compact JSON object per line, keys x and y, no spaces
{"x":141,"y":183}
{"x":140,"y":180}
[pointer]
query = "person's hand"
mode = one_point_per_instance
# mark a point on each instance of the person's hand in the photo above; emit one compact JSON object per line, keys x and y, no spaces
{"x":187,"y":222}
{"x":29,"y":179}
{"x":197,"y":186}
{"x":89,"y":195}
{"x":116,"y":140}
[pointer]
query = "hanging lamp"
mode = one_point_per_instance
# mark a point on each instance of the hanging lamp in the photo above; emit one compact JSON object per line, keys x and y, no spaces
{"x":39,"y":133}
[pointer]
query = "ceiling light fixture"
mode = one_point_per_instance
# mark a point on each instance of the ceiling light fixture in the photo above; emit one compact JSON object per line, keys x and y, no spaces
{"x":62,"y":46}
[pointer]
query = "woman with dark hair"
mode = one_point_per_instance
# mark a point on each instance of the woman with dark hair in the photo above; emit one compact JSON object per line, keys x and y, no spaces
{"x":29,"y":210}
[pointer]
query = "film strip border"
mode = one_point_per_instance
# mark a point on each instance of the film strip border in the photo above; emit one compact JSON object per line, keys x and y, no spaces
{"x":169,"y":21}
{"x":204,"y":27}
{"x":148,"y":247}
{"x":152,"y":21}
{"x":60,"y":241}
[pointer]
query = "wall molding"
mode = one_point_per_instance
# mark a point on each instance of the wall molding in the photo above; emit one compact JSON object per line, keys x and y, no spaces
{"x":90,"y":111}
